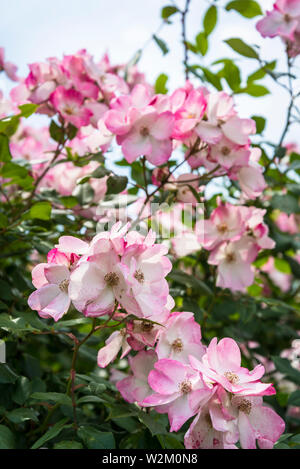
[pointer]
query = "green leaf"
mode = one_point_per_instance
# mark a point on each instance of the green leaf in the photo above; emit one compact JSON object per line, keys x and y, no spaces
{"x":160,"y":84}
{"x":55,"y":397}
{"x":116,"y":184}
{"x":212,"y":78}
{"x":71,"y":131}
{"x":161,"y":44}
{"x":100,"y":172}
{"x":247,"y":8}
{"x":95,"y":439}
{"x":22,"y":415}
{"x":232,"y":75}
{"x":9,"y":126}
{"x":168,"y":11}
{"x":22,"y":390}
{"x":7,"y":439}
{"x":239,"y":46}
{"x":5,"y":154}
{"x":51,"y":433}
{"x":202,"y":43}
{"x":256,"y":90}
{"x":17,"y":174}
{"x":260,"y":123}
{"x":27,"y":109}
{"x":282,"y":266}
{"x":69,"y":201}
{"x":40,"y":210}
{"x":261,"y":72}
{"x":210,"y":20}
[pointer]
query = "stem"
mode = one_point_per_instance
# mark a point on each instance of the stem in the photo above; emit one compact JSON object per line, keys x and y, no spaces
{"x":184,"y":39}
{"x":71,"y":382}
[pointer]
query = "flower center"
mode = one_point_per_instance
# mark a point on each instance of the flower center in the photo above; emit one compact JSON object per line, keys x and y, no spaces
{"x":232,"y":377}
{"x":222,"y":228}
{"x":146,"y":326}
{"x":144,"y":131}
{"x":225,"y":151}
{"x":139,"y":276}
{"x":230,"y":257}
{"x":245,"y":406}
{"x":68,"y":110}
{"x":64,"y":285}
{"x":111,"y":279}
{"x":177,"y":345}
{"x":287,"y":18}
{"x":185,"y":387}
{"x":207,"y":419}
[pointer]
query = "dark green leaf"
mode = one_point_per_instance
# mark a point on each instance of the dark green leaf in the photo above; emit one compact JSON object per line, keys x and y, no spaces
{"x":260,"y":123}
{"x":161,"y":44}
{"x":189,"y":280}
{"x":283,"y":365}
{"x":7,"y":439}
{"x":51,"y":433}
{"x":7,"y":375}
{"x":21,"y":415}
{"x":95,"y":439}
{"x":53,"y":397}
{"x":116,"y":184}
{"x":56,"y":132}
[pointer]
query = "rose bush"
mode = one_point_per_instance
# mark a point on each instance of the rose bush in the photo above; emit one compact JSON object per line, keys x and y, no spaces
{"x":141,"y":305}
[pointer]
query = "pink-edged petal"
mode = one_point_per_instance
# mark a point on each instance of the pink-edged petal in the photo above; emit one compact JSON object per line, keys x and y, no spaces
{"x":108,"y":353}
{"x":247,"y":433}
{"x":72,"y":245}
{"x":158,"y":399}
{"x":209,"y":133}
{"x":56,"y":273}
{"x":38,"y":275}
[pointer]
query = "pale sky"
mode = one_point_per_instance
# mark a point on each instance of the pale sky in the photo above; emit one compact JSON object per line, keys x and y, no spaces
{"x":33,"y":30}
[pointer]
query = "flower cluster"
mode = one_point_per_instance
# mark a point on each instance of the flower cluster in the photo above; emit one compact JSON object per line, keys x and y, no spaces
{"x":114,"y":269}
{"x":97,"y":100}
{"x":283,"y":21}
{"x":235,"y":235}
{"x":183,"y":378}
{"x":207,"y":123}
